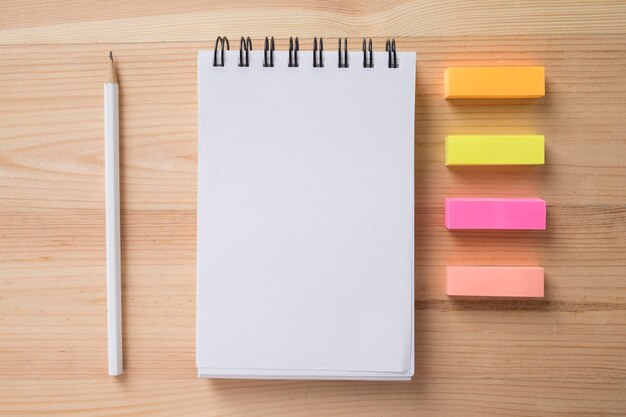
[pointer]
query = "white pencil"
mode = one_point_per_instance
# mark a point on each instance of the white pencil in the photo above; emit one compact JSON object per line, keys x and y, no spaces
{"x":112,"y":197}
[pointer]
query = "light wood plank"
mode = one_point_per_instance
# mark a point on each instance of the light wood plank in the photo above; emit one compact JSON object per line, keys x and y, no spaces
{"x":439,"y":396}
{"x":64,"y":21}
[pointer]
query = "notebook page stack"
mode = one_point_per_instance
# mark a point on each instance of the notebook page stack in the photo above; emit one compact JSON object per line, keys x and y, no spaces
{"x":305,"y":218}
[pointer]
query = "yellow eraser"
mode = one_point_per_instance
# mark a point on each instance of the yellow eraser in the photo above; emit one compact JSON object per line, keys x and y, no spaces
{"x":495,"y":150}
{"x":494,"y":82}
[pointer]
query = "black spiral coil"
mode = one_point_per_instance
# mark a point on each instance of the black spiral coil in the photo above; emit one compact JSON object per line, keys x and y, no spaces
{"x":368,"y":55}
{"x":245,"y":46}
{"x":390,"y":47}
{"x":318,"y":54}
{"x":220,"y":43}
{"x":294,"y":47}
{"x":268,"y":52}
{"x":342,"y":60}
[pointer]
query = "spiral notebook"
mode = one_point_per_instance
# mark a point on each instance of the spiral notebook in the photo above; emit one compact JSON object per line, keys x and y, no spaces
{"x":305,"y":213}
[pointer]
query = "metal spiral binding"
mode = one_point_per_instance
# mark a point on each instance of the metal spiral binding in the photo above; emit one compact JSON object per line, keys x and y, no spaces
{"x":220,"y":42}
{"x":245,"y":45}
{"x":390,"y":47}
{"x":268,"y":50}
{"x":293,"y":52}
{"x":368,"y":63}
{"x":343,"y":62}
{"x":318,"y":55}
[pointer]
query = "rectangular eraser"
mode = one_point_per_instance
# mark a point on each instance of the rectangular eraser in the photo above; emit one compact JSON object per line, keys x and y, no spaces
{"x":494,"y":82}
{"x":494,"y":150}
{"x":498,"y":281}
{"x":495,"y":213}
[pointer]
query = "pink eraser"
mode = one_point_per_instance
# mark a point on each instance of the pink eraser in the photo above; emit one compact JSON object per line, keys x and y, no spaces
{"x":494,"y":281}
{"x":495,"y":213}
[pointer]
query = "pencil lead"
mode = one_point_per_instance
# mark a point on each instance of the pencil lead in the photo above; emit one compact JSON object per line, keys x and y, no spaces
{"x":111,"y":76}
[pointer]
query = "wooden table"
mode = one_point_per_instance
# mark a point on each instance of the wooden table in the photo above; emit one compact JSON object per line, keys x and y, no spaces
{"x":564,"y":355}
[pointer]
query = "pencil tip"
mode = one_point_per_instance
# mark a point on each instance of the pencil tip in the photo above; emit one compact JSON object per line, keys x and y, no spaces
{"x":111,"y":55}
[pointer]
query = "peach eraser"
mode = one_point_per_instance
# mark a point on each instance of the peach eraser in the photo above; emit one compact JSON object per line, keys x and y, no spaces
{"x":494,"y":281}
{"x":495,"y":213}
{"x":494,"y":150}
{"x":494,"y":82}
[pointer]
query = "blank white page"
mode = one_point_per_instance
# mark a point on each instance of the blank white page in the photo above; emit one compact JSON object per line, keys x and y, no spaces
{"x":305,"y":214}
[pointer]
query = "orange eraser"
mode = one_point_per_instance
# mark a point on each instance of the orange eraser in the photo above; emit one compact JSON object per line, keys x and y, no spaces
{"x":494,"y":82}
{"x":494,"y":281}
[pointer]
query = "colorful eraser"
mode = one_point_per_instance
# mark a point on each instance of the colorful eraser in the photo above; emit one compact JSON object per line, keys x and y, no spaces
{"x":494,"y":150}
{"x":495,"y":213}
{"x":494,"y":281}
{"x":494,"y":82}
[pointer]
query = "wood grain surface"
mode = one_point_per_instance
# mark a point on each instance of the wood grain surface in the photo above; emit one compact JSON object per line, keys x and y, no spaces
{"x":563,"y":355}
